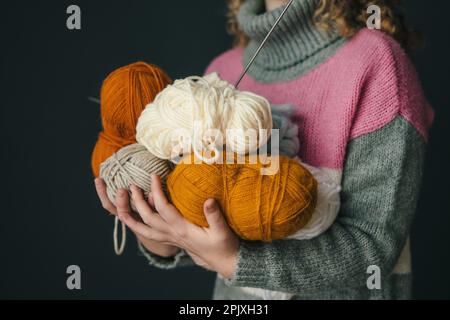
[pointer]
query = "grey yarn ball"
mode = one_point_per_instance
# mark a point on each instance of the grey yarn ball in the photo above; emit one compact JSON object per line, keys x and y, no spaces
{"x":289,"y":142}
{"x":132,"y":164}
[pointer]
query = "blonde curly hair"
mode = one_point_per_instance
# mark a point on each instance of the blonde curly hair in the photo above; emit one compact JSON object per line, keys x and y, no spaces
{"x":347,"y":16}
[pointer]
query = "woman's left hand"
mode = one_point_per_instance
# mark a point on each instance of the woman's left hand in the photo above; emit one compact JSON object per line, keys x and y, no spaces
{"x":214,"y":248}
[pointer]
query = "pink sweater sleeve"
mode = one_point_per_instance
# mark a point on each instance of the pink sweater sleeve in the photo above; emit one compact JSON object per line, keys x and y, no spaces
{"x":390,"y":88}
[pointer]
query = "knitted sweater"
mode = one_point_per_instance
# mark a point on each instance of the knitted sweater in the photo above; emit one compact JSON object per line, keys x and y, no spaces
{"x":363,"y":117}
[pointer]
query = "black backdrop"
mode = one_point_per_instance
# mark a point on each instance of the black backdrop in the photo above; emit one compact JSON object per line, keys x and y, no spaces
{"x":50,"y":215}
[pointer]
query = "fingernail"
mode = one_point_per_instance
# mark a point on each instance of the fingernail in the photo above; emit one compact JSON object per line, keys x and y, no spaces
{"x":210,"y":207}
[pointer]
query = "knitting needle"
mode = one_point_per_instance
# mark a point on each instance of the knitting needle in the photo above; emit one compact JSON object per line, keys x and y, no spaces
{"x":254,"y":55}
{"x":95,"y":100}
{"x":262,"y":44}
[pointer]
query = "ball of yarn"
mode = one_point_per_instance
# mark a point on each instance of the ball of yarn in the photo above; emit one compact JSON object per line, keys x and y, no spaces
{"x":288,"y":143}
{"x":256,"y":207}
{"x":328,"y":204}
{"x":132,"y":164}
{"x":124,"y":94}
{"x":194,"y":106}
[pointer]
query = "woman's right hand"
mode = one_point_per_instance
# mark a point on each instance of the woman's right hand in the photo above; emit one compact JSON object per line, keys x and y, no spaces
{"x":122,"y":201}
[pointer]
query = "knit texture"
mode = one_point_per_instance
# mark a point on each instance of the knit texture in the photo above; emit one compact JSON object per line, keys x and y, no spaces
{"x":366,"y":84}
{"x":295,"y":46}
{"x":380,"y":189}
{"x":363,"y":117}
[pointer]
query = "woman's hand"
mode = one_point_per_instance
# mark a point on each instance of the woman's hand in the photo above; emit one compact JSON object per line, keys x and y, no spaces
{"x":158,"y":248}
{"x":214,"y":248}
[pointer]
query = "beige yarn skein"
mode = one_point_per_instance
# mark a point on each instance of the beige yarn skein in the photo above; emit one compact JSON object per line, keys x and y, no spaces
{"x":132,"y":164}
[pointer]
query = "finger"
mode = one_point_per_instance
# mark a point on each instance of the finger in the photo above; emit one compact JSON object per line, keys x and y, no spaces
{"x":122,"y":202}
{"x":150,"y":200}
{"x":100,"y":186}
{"x":147,"y":214}
{"x":162,"y":205}
{"x":142,"y":229}
{"x":139,"y":201}
{"x":214,"y":216}
{"x":159,"y":197}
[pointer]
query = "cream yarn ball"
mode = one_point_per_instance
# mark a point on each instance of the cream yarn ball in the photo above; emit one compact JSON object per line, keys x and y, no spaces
{"x":194,"y":106}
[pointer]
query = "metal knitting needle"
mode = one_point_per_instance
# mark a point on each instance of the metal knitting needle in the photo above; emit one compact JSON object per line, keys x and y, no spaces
{"x":96,"y":100}
{"x":262,"y":44}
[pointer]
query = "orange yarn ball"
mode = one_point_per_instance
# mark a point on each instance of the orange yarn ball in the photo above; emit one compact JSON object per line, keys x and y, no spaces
{"x":124,"y":95}
{"x":256,"y":207}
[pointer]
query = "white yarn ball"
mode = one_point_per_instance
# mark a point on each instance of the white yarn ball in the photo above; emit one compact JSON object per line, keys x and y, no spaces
{"x":198,"y":104}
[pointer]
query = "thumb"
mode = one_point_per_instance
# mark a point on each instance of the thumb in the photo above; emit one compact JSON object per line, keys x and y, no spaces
{"x":214,"y":215}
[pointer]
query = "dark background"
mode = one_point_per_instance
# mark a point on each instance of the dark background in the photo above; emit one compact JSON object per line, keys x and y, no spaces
{"x":50,"y":215}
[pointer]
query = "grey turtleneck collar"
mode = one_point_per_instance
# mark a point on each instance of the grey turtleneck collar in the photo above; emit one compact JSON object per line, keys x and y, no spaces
{"x":296,"y":45}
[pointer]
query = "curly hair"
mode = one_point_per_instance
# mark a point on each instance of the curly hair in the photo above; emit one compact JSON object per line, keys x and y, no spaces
{"x":347,"y":16}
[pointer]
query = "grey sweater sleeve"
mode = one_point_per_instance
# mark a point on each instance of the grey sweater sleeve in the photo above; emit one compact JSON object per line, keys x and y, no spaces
{"x":179,"y":260}
{"x":380,"y":187}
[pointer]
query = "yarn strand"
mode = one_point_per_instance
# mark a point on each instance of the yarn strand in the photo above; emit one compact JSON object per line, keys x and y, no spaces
{"x":119,"y":249}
